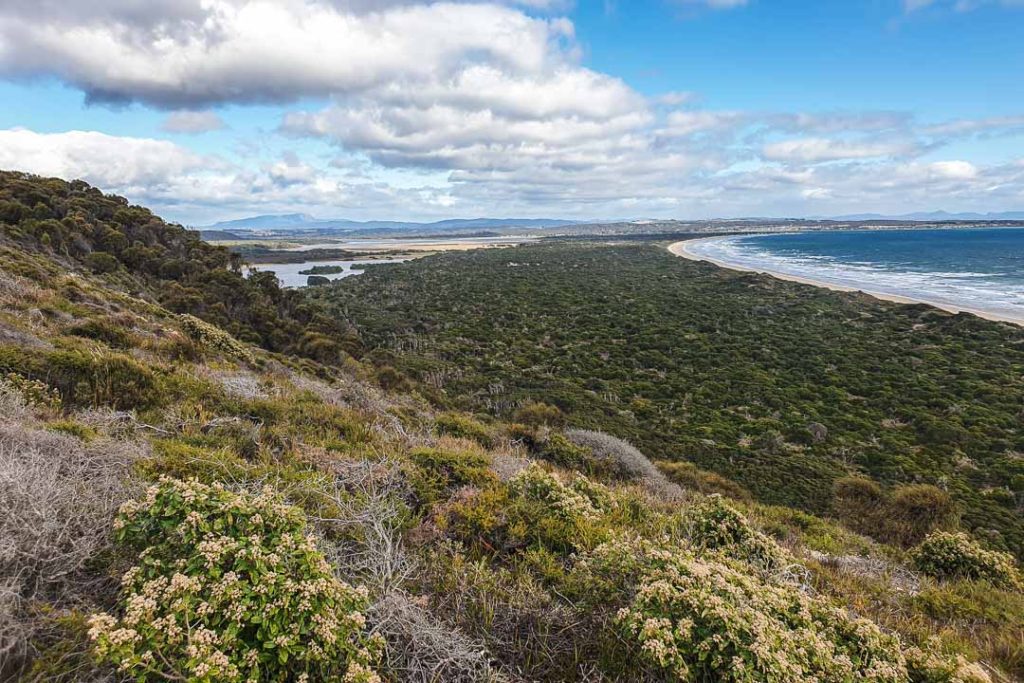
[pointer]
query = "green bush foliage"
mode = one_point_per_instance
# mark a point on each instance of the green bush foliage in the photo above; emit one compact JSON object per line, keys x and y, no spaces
{"x":33,"y":391}
{"x":715,"y":525}
{"x":946,"y":555}
{"x":691,"y":477}
{"x":700,"y":619}
{"x":213,"y":338}
{"x":229,"y":587}
{"x":902,"y":516}
{"x":536,"y":509}
{"x":464,"y":427}
{"x":84,"y":378}
{"x":926,"y":666}
{"x":441,"y":470}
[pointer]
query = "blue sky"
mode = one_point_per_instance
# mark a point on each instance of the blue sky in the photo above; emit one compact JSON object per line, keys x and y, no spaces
{"x":215,"y":109}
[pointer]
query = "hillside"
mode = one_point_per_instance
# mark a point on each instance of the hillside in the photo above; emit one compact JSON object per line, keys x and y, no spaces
{"x":186,"y":495}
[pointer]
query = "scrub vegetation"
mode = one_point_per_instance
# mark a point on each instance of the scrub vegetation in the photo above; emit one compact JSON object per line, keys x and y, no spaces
{"x":182,"y":499}
{"x":895,"y":419}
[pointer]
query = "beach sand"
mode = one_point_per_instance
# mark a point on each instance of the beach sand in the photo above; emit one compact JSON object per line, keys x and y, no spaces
{"x":681,"y":249}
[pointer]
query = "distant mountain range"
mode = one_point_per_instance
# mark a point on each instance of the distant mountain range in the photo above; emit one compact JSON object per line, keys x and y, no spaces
{"x":934,"y":216}
{"x":301,"y":221}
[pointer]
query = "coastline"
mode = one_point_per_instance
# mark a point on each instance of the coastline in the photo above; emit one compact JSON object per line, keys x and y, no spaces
{"x":680,"y":249}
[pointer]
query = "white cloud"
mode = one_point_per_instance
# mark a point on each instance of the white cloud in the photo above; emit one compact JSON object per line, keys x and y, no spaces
{"x":446,"y":108}
{"x":957,"y":170}
{"x":192,"y":122}
{"x":814,"y":150}
{"x":104,"y":160}
{"x":183,"y":52}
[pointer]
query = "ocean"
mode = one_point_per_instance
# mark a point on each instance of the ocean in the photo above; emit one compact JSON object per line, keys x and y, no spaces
{"x":980,"y":269}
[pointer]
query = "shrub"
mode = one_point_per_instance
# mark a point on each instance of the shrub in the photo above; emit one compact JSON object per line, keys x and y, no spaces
{"x":102,"y":262}
{"x":32,"y":392}
{"x":559,"y":450}
{"x":689,"y":476}
{"x":903,"y":516}
{"x":105,"y":330}
{"x":946,"y":555}
{"x":916,"y":510}
{"x":697,"y":619}
{"x":716,"y":526}
{"x":626,"y":461}
{"x":440,"y":470}
{"x":580,"y":500}
{"x":539,"y":414}
{"x":83,"y":378}
{"x":929,"y":667}
{"x":535,"y":509}
{"x":213,"y":338}
{"x":229,"y":587}
{"x":464,"y":427}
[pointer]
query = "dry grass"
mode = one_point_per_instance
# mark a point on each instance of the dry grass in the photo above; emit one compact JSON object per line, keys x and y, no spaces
{"x":58,"y":497}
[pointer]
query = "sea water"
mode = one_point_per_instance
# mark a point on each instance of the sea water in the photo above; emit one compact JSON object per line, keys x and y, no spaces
{"x":977,"y":268}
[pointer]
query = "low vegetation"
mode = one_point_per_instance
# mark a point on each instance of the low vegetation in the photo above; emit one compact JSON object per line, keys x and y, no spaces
{"x":786,"y":390}
{"x":206,"y":509}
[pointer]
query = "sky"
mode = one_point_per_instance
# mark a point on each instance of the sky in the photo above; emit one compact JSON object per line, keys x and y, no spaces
{"x":208,"y":110}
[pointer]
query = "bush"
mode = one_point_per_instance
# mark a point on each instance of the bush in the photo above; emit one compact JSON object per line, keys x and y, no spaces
{"x":105,"y":330}
{"x":945,"y":555}
{"x":440,"y":470}
{"x":535,"y":509}
{"x":229,"y":587}
{"x":716,"y":526}
{"x":580,"y":500}
{"x":539,"y":414}
{"x":464,"y":427}
{"x":929,"y":667}
{"x":82,"y":378}
{"x":903,"y":516}
{"x":696,"y":619}
{"x":213,"y":338}
{"x":916,"y":510}
{"x":102,"y":262}
{"x":689,"y":476}
{"x":625,"y":460}
{"x":559,"y":450}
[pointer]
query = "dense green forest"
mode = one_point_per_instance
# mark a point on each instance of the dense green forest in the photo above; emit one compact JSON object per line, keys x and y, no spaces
{"x":783,"y":388}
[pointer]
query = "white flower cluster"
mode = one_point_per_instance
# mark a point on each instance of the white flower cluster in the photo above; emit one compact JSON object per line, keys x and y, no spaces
{"x":702,"y":619}
{"x":230,"y":588}
{"x":581,"y":499}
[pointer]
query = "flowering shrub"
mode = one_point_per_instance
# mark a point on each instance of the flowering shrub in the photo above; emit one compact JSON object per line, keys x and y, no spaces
{"x":229,"y":588}
{"x":535,"y":508}
{"x":214,"y":338}
{"x":581,"y":499}
{"x":945,"y":555}
{"x":33,"y":391}
{"x":715,"y":525}
{"x":700,"y":619}
{"x":930,"y":667}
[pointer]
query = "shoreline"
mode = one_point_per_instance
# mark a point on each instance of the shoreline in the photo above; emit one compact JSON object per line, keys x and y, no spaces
{"x":680,"y":249}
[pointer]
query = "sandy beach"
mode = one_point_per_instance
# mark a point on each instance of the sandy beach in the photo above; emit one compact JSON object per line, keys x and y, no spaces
{"x":682,"y":249}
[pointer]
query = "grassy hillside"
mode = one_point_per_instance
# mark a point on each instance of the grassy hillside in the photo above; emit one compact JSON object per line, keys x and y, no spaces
{"x":74,"y":223}
{"x":179,"y":504}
